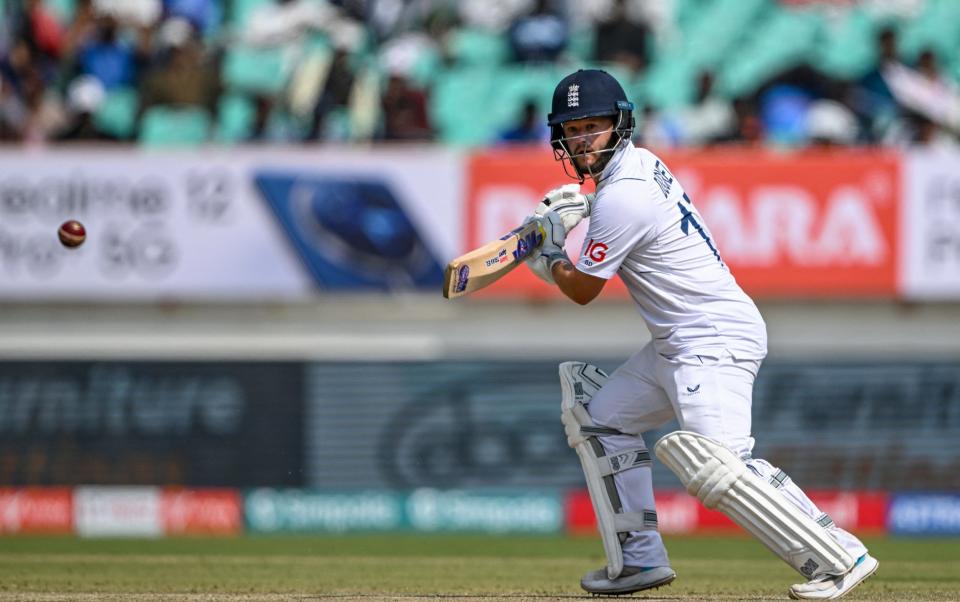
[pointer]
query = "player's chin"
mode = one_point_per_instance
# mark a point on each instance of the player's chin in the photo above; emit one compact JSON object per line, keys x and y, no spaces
{"x":583,"y":163}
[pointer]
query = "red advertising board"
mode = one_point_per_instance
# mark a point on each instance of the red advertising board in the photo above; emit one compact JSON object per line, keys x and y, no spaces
{"x":34,"y":510}
{"x":201,"y":512}
{"x":800,"y":225}
{"x":677,"y":512}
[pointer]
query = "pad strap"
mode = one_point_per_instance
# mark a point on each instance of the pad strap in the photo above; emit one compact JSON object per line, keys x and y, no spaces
{"x":624,"y":522}
{"x":632,"y":458}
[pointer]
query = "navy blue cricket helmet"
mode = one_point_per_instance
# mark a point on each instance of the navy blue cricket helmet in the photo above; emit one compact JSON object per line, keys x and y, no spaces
{"x":589,"y":93}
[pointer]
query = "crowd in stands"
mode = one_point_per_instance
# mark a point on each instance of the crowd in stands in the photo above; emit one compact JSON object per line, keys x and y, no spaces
{"x":302,"y":71}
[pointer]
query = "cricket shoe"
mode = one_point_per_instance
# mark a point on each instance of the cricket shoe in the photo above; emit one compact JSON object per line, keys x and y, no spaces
{"x":831,"y":587}
{"x":632,"y":579}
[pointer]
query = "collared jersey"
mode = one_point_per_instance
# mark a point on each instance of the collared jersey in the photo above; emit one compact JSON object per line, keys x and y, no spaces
{"x":645,"y":227}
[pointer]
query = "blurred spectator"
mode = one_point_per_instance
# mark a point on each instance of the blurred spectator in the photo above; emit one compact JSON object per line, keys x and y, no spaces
{"x":871,"y":100}
{"x":928,"y":134}
{"x":82,"y":28}
{"x":928,"y":66}
{"x":204,"y":15}
{"x":390,"y":18}
{"x":135,"y":13}
{"x":28,"y":112}
{"x":711,"y":119}
{"x":260,"y":131}
{"x":43,"y":29}
{"x":749,"y":126}
{"x":44,"y":112}
{"x":929,"y":98}
{"x":621,"y":39}
{"x":106,"y":57}
{"x":404,"y":111}
{"x":335,"y":93}
{"x":531,"y":128}
{"x":783,"y":110}
{"x":540,"y":36}
{"x":285,"y":22}
{"x":85,"y":95}
{"x":829,"y":123}
{"x":185,"y":77}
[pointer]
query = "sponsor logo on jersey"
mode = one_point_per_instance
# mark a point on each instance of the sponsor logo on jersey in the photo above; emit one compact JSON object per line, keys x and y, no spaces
{"x":595,"y":252}
{"x":692,"y":390}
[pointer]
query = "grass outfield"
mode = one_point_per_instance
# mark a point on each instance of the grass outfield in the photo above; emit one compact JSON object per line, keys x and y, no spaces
{"x":438,"y":567}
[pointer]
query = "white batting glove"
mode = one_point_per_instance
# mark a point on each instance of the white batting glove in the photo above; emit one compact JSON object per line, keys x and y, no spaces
{"x":568,"y":202}
{"x":541,"y":269}
{"x":551,"y":251}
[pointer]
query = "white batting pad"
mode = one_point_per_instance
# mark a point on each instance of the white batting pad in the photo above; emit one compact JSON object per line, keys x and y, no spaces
{"x":579,"y":381}
{"x":712,"y":473}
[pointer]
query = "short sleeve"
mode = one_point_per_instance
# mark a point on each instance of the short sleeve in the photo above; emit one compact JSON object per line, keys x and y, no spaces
{"x":623,"y":217}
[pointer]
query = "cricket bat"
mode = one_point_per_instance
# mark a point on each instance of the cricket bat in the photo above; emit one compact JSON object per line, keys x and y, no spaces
{"x":491,"y":262}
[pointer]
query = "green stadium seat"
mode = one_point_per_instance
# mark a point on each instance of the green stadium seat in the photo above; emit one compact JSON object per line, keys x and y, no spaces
{"x":669,"y":83}
{"x":515,"y":86}
{"x":457,"y":104}
{"x":710,"y":30}
{"x":847,"y":48}
{"x":241,"y":9}
{"x":235,"y":117}
{"x":582,"y":44}
{"x":337,"y":125}
{"x":173,"y":126}
{"x":475,"y":47}
{"x":785,"y":40}
{"x":255,"y":70}
{"x":118,"y":113}
{"x":938,"y":28}
{"x":720,"y":27}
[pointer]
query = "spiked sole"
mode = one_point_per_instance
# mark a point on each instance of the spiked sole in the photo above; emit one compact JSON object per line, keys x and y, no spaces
{"x":633,"y":590}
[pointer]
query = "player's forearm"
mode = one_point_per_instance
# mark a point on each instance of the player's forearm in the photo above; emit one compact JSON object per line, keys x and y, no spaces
{"x":577,"y":286}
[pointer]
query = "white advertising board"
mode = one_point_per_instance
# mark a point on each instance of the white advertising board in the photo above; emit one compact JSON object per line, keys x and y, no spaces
{"x":224,"y":224}
{"x":117,"y":511}
{"x":930,"y":226}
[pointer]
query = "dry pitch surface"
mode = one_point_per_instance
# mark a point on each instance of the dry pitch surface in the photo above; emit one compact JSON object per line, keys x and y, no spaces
{"x":440,"y":567}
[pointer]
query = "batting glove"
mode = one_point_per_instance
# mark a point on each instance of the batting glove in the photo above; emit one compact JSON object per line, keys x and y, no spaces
{"x":568,"y":202}
{"x":541,"y":269}
{"x":551,"y":249}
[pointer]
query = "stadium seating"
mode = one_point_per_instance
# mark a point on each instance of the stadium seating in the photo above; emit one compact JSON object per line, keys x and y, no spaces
{"x":255,"y":70}
{"x":475,"y":90}
{"x":170,"y":126}
{"x":236,"y":113}
{"x":117,"y":115}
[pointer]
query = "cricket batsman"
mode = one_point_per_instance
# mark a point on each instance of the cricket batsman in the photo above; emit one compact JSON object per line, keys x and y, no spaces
{"x":708,"y":340}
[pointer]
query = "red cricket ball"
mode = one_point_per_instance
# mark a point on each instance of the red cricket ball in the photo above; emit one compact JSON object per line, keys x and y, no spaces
{"x":72,"y":233}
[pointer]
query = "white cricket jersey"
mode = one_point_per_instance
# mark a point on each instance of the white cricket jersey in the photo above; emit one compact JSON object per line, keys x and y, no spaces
{"x":644,"y":227}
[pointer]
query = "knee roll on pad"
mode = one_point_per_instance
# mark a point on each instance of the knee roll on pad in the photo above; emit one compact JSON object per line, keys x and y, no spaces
{"x":722,"y":481}
{"x":579,"y":381}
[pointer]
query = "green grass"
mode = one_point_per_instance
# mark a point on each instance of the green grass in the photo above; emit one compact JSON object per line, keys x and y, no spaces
{"x":368,"y":567}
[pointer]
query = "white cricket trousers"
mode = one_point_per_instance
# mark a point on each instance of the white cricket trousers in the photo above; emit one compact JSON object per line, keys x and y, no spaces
{"x":711,"y":396}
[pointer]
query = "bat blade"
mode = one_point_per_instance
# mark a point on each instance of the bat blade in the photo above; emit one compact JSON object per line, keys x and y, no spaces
{"x":484,"y":266}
